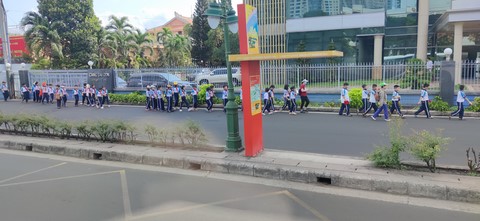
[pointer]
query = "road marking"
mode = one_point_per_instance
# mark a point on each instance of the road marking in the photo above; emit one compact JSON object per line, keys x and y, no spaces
{"x":29,"y":173}
{"x":126,"y":197}
{"x":306,"y":206}
{"x":206,"y":205}
{"x":59,"y":178}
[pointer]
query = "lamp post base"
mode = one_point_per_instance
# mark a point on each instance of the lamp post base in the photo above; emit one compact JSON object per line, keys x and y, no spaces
{"x":234,"y":141}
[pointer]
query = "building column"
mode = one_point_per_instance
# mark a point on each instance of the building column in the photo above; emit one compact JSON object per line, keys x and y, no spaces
{"x":457,"y":51}
{"x":422,"y":36}
{"x":377,"y":57}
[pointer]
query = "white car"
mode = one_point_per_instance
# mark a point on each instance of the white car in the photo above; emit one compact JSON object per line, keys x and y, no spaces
{"x":218,"y":76}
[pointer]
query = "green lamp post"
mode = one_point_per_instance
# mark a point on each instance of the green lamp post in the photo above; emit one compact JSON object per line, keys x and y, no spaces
{"x":224,"y":13}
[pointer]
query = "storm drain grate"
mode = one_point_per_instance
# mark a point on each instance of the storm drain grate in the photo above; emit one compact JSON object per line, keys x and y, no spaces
{"x":324,"y":180}
{"x":29,"y":148}
{"x":97,"y":156}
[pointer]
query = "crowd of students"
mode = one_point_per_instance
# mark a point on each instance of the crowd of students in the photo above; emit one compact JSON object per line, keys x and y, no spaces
{"x":48,"y":94}
{"x":173,"y":98}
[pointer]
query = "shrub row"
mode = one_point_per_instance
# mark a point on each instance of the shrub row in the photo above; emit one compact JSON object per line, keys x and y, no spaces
{"x":189,"y":133}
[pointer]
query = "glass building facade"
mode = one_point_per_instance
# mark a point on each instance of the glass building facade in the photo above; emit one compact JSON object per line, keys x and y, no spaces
{"x":399,"y":24}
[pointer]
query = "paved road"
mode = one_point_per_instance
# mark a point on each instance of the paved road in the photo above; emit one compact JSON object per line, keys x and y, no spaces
{"x":40,"y":187}
{"x":317,"y":133}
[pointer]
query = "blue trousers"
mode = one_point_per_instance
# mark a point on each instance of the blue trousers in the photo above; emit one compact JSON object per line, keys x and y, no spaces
{"x":459,"y":111}
{"x":384,"y":107}
{"x":345,"y":107}
{"x":424,"y":107}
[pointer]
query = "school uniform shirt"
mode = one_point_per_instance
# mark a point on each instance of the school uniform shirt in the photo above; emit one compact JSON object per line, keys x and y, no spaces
{"x":159,"y":93}
{"x":99,"y":93}
{"x":207,"y":95}
{"x":45,"y":90}
{"x":344,"y":96}
{"x":65,"y":92}
{"x":169,"y":92}
{"x":424,"y":95}
{"x":24,"y":89}
{"x":175,"y":90}
{"x":147,"y":93}
{"x":461,"y":97}
{"x":266,"y":96}
{"x":224,"y":94}
{"x":285,"y":93}
{"x":75,"y":92}
{"x":50,"y":90}
{"x":271,"y":94}
{"x":36,"y":88}
{"x":151,"y":94}
{"x":292,"y":95}
{"x":194,"y":92}
{"x":4,"y":87}
{"x":365,"y":94}
{"x":372,"y":96}
{"x":395,"y":96}
{"x":183,"y":93}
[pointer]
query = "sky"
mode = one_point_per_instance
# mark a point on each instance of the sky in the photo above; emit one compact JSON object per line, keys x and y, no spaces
{"x":143,"y":14}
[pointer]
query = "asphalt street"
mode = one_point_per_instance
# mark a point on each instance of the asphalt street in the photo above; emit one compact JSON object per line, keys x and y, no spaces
{"x":41,"y":187}
{"x":312,"y":132}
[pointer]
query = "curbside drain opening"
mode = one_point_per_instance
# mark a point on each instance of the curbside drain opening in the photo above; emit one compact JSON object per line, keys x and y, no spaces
{"x":324,"y":180}
{"x":194,"y":166}
{"x":97,"y":156}
{"x":29,"y":148}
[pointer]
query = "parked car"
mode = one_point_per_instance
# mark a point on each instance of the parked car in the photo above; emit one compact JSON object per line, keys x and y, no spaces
{"x":120,"y":83}
{"x":219,"y":76}
{"x":158,"y":79}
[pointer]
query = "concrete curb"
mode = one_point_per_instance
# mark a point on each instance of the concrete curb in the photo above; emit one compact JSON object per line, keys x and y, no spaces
{"x":402,"y":183}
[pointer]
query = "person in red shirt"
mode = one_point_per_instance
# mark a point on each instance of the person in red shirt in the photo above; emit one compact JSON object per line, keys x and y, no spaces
{"x":303,"y":96}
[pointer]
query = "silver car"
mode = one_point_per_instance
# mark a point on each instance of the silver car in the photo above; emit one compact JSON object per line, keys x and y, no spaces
{"x":218,"y":76}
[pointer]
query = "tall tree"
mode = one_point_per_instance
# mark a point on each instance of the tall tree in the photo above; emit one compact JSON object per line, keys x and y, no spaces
{"x":119,"y":25}
{"x":42,"y":38}
{"x":77,"y":29}
{"x":201,"y":52}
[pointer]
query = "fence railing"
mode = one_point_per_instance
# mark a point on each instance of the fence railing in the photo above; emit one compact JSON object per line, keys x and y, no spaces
{"x":320,"y":76}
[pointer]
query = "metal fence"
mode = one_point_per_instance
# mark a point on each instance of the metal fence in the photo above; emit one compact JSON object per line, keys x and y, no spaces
{"x":320,"y":76}
{"x":67,"y":78}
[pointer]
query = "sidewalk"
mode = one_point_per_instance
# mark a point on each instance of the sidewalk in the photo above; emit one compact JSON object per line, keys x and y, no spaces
{"x":309,"y":168}
{"x":406,"y":111}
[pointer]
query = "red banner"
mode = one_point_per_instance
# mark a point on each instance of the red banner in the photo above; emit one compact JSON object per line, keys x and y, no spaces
{"x":18,"y":46}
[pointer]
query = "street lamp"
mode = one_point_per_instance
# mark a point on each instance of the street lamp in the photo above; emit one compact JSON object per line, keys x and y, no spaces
{"x":216,"y":14}
{"x":448,"y":52}
{"x":90,"y":63}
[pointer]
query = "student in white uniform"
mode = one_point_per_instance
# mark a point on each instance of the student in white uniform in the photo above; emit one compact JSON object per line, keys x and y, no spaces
{"x":266,"y":101}
{"x":345,"y":99}
{"x":424,"y":100}
{"x":293,"y":104}
{"x":461,"y":97}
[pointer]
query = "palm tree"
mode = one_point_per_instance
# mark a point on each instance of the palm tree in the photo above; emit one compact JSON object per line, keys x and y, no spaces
{"x":106,"y":52}
{"x":41,"y":36}
{"x":123,"y":45}
{"x":142,"y":43}
{"x":119,"y":25}
{"x":176,"y":48}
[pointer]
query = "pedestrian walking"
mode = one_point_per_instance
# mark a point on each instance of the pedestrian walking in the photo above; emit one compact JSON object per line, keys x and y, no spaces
{"x":225,"y":98}
{"x":286,"y":100}
{"x":292,"y":101}
{"x":169,"y":95}
{"x":76,"y":95}
{"x":345,"y":100}
{"x":45,"y":95}
{"x":304,"y":96}
{"x":272,"y":98}
{"x":195,"y":97}
{"x":176,"y":94}
{"x":161,"y":102}
{"x":35,"y":91}
{"x":58,"y":96}
{"x":212,"y":97}
{"x":106,"y":97}
{"x":183,"y":96}
{"x":64,"y":96}
{"x":461,"y":97}
{"x":365,"y":93}
{"x":372,"y":100}
{"x":266,"y":101}
{"x":208,"y":100}
{"x":396,"y":101}
{"x":25,"y":93}
{"x":424,"y":100}
{"x":148,"y":95}
{"x":93,"y":91}
{"x":50,"y":92}
{"x":382,"y":103}
{"x":5,"y":91}
{"x":84,"y":93}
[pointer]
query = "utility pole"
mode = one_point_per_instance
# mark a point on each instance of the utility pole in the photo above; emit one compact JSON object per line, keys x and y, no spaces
{"x":7,"y":56}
